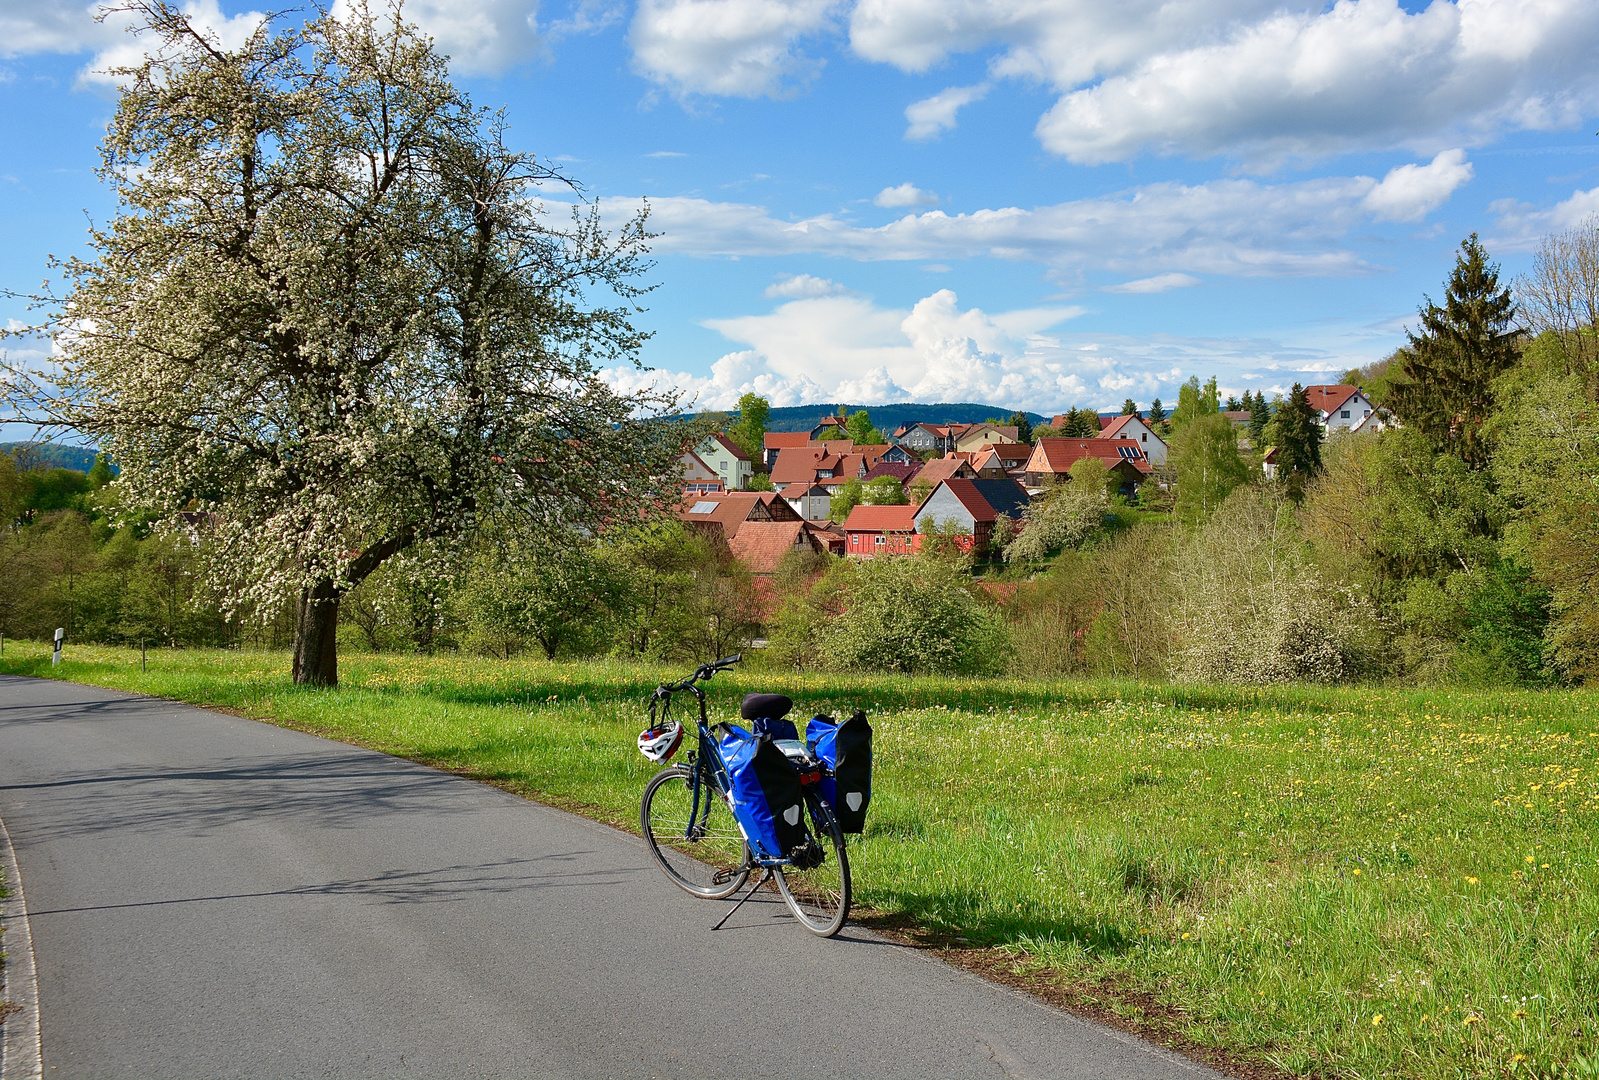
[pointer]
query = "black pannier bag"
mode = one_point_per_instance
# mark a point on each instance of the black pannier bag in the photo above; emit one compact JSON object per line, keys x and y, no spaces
{"x":765,"y":791}
{"x":846,"y":749}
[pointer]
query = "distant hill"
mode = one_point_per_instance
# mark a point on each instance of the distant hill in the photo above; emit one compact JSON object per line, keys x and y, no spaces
{"x":55,"y":455}
{"x":888,"y":417}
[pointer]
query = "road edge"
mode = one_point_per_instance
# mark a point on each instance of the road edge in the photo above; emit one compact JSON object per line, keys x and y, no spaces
{"x":20,"y":1051}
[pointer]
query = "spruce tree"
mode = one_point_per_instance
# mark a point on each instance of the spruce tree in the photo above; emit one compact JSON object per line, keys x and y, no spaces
{"x":1447,"y":388}
{"x":1157,"y":411}
{"x":1259,"y":416}
{"x":1023,"y":426}
{"x":1298,"y":442}
{"x":1129,"y":407}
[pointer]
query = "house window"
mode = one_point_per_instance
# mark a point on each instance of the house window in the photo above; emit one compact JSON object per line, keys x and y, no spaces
{"x":1366,"y":413}
{"x":1344,"y":415}
{"x":724,"y":464}
{"x":1144,"y":437}
{"x":881,"y":540}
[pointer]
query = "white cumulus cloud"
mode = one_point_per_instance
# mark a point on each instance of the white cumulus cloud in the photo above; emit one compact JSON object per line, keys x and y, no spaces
{"x":906,"y":194}
{"x":935,"y":115}
{"x":1411,"y":192}
{"x":848,"y":349}
{"x":735,"y":48}
{"x":1362,"y":74}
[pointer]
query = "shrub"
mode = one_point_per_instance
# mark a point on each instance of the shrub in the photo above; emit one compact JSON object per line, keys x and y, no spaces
{"x":1251,"y":607}
{"x":900,"y":614}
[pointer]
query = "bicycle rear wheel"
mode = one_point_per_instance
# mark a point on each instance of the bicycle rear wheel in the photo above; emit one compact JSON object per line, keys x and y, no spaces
{"x":819,"y":896}
{"x":708,"y":860}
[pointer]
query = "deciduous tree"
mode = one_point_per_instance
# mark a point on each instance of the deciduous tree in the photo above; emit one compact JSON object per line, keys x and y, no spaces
{"x":334,"y":312}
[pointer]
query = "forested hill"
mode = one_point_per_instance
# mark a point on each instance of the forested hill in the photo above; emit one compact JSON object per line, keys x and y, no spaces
{"x":888,"y":417}
{"x":51,"y":455}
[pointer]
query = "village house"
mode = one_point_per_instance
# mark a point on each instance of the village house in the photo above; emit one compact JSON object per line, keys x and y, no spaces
{"x":831,"y":427}
{"x":938,"y":470}
{"x":1340,"y":408}
{"x":1137,"y":429}
{"x":904,"y":474}
{"x":1054,"y":457}
{"x":881,"y":530}
{"x":810,"y":500}
{"x":970,"y":437}
{"x":698,"y":477}
{"x":923,"y":438}
{"x":972,"y":506}
{"x":1001,"y":459}
{"x":731,"y":464}
{"x":721,"y":515}
{"x":781,"y":440}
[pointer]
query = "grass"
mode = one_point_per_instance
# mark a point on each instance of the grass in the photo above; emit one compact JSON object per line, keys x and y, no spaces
{"x":1351,"y":883}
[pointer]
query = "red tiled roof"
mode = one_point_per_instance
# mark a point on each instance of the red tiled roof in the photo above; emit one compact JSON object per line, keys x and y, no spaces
{"x":881,"y":519}
{"x":940,"y":469}
{"x":1329,"y":399}
{"x":1011,"y":452}
{"x":732,"y":509}
{"x":761,"y":545}
{"x":796,"y":464}
{"x":903,"y":473}
{"x":778,"y":440}
{"x":1110,"y":426}
{"x":1058,"y":455}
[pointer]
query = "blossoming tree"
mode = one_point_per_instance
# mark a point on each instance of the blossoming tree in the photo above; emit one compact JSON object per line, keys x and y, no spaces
{"x":337,"y":318}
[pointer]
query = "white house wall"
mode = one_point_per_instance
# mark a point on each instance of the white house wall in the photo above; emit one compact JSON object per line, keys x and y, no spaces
{"x":943,"y":507}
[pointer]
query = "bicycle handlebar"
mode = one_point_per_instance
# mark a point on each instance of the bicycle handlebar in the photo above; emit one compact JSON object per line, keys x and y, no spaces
{"x":701,"y":673}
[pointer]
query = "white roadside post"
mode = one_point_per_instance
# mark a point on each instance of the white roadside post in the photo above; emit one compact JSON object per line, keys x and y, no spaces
{"x":55,"y":657}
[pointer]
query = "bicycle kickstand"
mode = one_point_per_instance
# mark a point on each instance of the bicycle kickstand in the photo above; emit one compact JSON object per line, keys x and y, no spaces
{"x":767,"y":876}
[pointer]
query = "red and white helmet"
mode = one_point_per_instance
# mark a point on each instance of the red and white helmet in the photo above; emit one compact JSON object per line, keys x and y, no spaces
{"x":660,"y":743}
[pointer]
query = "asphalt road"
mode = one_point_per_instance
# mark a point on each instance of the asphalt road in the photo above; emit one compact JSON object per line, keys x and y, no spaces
{"x":215,"y":897}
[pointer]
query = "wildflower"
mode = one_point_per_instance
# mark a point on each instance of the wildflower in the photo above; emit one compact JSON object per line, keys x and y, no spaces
{"x":1357,"y":871}
{"x":1520,"y":1014}
{"x":1472,"y":881}
{"x":1529,"y":860}
{"x":1472,"y":1019}
{"x":1376,"y":1021}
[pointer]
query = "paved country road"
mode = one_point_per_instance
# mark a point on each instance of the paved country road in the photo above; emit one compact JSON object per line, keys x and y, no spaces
{"x":215,"y":897}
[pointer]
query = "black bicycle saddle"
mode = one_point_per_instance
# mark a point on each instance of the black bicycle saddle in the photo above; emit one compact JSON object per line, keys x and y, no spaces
{"x":765,"y":706}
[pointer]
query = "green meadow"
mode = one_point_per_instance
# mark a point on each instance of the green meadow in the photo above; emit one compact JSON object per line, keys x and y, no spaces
{"x":1341,"y":882}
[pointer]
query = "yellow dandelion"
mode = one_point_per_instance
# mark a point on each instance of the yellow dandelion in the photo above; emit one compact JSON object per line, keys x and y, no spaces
{"x":1472,"y":881}
{"x":1357,"y":871}
{"x":1470,"y":1020}
{"x":1376,"y":1021}
{"x":1519,"y":1014}
{"x":1529,"y":860}
{"x":1185,"y":937}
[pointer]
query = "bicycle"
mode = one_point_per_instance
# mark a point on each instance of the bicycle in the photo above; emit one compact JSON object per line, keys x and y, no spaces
{"x":687,"y":820}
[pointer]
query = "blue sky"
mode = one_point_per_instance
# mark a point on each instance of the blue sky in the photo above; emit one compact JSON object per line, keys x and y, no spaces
{"x":1029,"y":203}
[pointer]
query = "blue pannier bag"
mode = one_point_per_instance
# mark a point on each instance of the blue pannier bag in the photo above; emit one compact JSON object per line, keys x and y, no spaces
{"x":765,"y":791}
{"x":846,"y":749}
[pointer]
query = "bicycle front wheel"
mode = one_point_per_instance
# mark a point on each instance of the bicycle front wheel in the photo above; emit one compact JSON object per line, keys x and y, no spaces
{"x":819,"y":896}
{"x":707,"y":856}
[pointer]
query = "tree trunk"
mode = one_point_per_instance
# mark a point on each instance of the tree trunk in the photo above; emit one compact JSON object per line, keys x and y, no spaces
{"x":316,"y":645}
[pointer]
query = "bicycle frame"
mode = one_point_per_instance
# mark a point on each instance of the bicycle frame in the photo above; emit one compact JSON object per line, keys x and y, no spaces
{"x":707,"y":767}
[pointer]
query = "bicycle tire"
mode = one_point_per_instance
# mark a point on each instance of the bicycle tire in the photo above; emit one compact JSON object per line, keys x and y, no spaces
{"x":712,"y":865}
{"x":819,"y":896}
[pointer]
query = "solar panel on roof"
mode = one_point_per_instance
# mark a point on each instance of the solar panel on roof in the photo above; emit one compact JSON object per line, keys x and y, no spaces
{"x":1129,"y":452}
{"x":706,"y":507}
